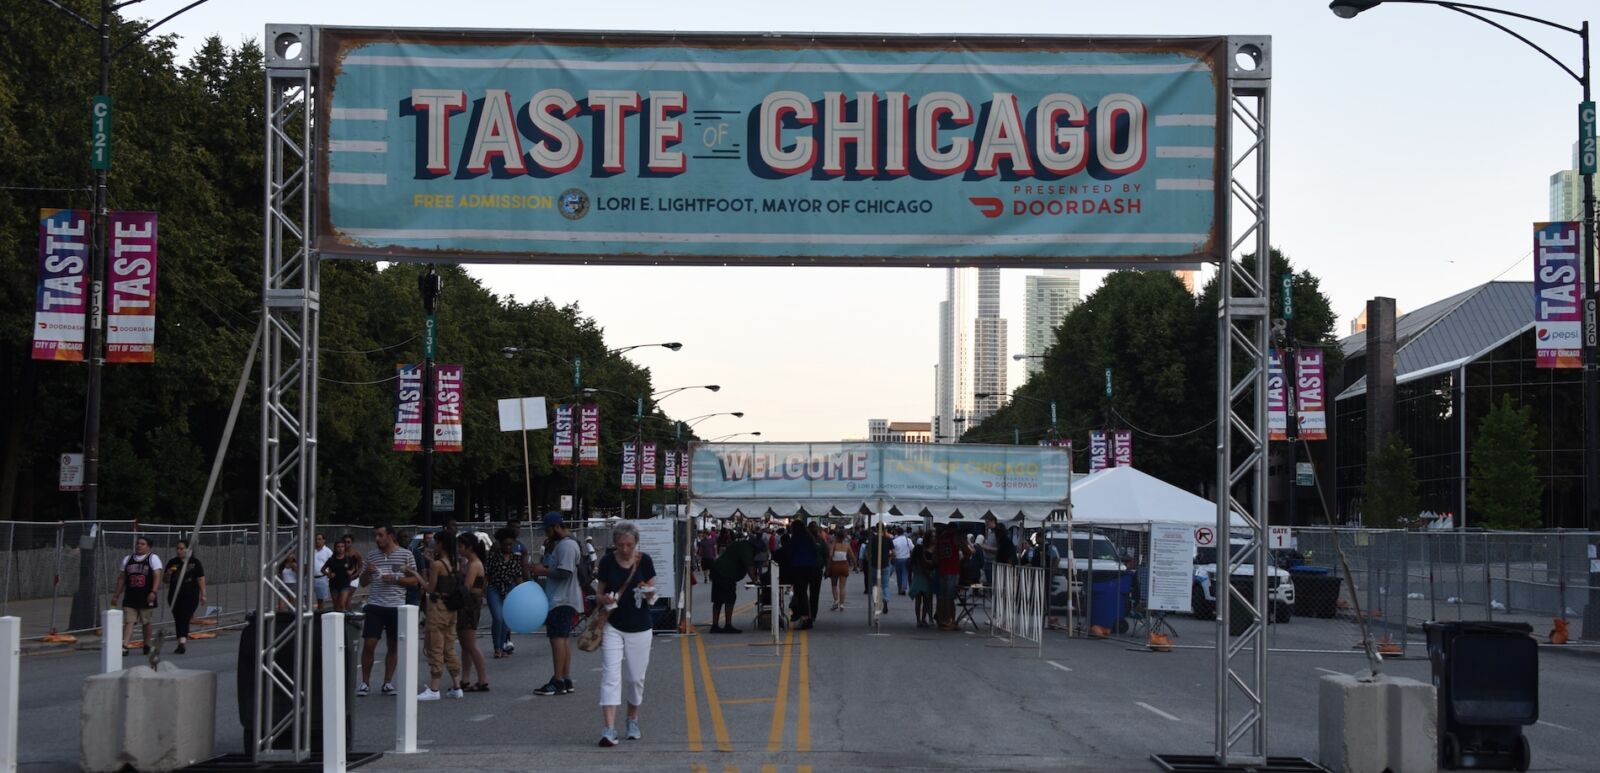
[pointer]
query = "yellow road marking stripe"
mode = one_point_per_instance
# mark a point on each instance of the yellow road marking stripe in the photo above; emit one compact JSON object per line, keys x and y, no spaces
{"x":743,"y":666}
{"x":780,"y":703}
{"x":802,"y":728}
{"x":769,"y":768}
{"x":698,"y":767}
{"x":719,"y":728}
{"x":691,"y":709}
{"x":803,"y":769}
{"x":745,"y":701}
{"x":730,"y":769}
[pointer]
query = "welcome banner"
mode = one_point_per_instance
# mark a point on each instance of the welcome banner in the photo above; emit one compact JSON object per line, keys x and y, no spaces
{"x":131,"y":273}
{"x":528,"y":146}
{"x":62,"y":295}
{"x":979,"y":473}
{"x":1557,"y":296}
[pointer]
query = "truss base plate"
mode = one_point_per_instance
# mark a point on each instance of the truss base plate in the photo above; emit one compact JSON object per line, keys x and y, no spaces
{"x":238,"y":763}
{"x":1205,"y":763}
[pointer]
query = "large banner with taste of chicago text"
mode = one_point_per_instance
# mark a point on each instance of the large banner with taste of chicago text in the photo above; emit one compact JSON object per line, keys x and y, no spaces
{"x":716,"y":148}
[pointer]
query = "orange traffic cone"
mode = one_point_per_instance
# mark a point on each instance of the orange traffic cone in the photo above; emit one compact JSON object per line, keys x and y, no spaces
{"x":202,"y":635}
{"x":1558,"y":635}
{"x":1159,"y":643}
{"x":1099,"y":631}
{"x":1387,"y":646}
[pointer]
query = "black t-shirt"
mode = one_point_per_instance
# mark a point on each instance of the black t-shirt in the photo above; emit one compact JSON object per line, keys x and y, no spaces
{"x":736,"y":560}
{"x":339,"y":572}
{"x":191,"y":579}
{"x":632,"y":614}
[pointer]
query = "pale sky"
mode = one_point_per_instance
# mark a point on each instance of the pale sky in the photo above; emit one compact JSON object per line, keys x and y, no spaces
{"x":1412,"y":148}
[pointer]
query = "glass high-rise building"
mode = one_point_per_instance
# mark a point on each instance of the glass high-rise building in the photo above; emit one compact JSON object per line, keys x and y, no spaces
{"x":1048,"y":299}
{"x":972,"y":351}
{"x":1566,"y":192}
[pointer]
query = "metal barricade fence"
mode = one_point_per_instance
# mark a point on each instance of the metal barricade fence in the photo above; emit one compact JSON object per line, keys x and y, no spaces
{"x":1017,"y":606}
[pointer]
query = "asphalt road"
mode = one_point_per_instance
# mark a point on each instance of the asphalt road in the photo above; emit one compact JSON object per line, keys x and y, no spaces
{"x":839,"y":698}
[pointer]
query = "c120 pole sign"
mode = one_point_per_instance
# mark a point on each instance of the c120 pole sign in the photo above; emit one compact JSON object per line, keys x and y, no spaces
{"x":720,"y":148}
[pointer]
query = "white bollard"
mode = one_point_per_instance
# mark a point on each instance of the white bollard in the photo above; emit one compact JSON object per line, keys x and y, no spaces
{"x":10,"y":670}
{"x":111,"y":641}
{"x":333,"y":708}
{"x":405,"y":683}
{"x":775,"y":603}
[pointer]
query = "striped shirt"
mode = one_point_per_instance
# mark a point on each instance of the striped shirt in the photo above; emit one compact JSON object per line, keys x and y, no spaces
{"x":388,"y":593}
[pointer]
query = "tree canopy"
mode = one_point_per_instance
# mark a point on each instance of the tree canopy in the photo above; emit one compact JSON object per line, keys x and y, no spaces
{"x":1504,"y":490}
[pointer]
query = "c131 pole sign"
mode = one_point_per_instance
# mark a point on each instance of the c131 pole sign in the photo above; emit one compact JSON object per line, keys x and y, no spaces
{"x":779,"y":149}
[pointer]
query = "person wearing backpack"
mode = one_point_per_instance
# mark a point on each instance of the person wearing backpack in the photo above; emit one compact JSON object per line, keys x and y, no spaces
{"x":567,"y":579}
{"x":445,"y":596}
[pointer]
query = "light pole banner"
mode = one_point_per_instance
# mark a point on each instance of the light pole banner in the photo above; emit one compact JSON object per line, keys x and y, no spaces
{"x":1122,"y":447}
{"x":1557,"y":297}
{"x":62,"y":296}
{"x":718,"y":148}
{"x":1099,"y":453}
{"x":1311,"y":387}
{"x":949,"y":472}
{"x":630,"y":467}
{"x":561,"y":437}
{"x":589,"y":435}
{"x":131,"y":273}
{"x":447,"y":405}
{"x":1277,"y":415}
{"x":408,"y":409}
{"x":683,"y":470}
{"x":669,"y":470}
{"x":647,"y":480}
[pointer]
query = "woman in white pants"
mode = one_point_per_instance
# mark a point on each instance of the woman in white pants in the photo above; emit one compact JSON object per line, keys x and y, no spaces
{"x":627,"y":586}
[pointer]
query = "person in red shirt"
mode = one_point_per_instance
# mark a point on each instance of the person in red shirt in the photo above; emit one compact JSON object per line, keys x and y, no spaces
{"x":950,"y":548}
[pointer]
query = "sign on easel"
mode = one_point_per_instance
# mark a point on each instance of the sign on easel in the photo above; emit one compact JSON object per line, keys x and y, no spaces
{"x":656,"y":539}
{"x":1171,"y":566}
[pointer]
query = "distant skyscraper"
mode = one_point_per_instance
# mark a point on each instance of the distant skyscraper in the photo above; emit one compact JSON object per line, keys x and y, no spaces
{"x":885,"y":431}
{"x":1049,"y":298}
{"x":954,"y":388}
{"x":1566,"y":192}
{"x":989,"y":351}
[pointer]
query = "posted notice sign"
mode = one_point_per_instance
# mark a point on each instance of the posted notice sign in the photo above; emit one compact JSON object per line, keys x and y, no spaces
{"x":641,"y":148}
{"x":656,"y":540}
{"x":1171,"y":566}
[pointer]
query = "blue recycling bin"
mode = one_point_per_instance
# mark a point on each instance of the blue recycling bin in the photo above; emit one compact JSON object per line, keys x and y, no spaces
{"x":1110,"y":603}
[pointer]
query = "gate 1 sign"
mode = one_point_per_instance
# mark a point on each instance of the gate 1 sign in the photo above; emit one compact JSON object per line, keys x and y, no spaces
{"x":716,"y":148}
{"x":1557,"y":320}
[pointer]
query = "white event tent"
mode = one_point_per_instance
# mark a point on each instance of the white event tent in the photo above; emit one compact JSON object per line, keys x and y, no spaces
{"x":1126,"y":496}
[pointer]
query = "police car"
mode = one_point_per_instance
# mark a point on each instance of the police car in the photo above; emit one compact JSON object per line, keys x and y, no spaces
{"x":1203,"y":599}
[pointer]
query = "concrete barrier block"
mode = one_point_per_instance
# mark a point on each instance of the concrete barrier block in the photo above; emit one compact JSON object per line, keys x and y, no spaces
{"x":151,"y":719}
{"x":1373,"y":726}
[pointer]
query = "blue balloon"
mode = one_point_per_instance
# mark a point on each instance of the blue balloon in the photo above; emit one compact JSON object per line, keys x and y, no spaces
{"x":525,"y":608}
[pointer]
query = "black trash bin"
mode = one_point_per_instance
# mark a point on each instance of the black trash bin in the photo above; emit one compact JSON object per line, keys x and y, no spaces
{"x":1487,"y":678}
{"x":1316,"y":591}
{"x":246,"y":678}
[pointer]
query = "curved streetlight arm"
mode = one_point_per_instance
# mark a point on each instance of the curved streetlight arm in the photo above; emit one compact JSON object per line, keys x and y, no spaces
{"x":1051,"y":403}
{"x":1347,"y":9}
{"x":673,"y":345}
{"x":665,"y":393}
{"x":732,"y":435}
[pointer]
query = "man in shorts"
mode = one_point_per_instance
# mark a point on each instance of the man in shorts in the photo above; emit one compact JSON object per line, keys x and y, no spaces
{"x":738,"y":560}
{"x":559,"y":567}
{"x":137,"y":583}
{"x":390,"y":570}
{"x":320,"y":559}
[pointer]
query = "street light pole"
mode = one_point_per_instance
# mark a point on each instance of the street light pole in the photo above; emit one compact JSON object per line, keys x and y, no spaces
{"x":429,"y":285}
{"x":1346,"y":9}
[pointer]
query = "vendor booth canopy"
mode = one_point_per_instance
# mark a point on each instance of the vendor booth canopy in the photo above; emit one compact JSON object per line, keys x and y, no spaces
{"x":950,"y":482}
{"x":1124,"y":495}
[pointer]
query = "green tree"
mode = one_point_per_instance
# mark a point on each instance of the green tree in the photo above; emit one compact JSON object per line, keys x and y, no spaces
{"x":1389,"y":494}
{"x":1504,"y":491}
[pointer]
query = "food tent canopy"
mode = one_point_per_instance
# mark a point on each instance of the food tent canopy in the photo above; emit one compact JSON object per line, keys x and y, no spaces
{"x":1124,"y":495}
{"x":945,"y":482}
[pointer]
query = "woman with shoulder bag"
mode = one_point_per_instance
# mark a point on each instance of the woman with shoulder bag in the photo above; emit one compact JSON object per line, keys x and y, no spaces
{"x":626,"y":587}
{"x":440,"y":589}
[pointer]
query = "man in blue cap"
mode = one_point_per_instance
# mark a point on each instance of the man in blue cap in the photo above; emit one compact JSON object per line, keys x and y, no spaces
{"x":559,"y":567}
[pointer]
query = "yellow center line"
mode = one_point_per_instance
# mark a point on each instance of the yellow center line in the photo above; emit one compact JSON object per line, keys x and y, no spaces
{"x":745,"y":701}
{"x":715,"y":706}
{"x":691,"y":709}
{"x":802,"y":728}
{"x":769,"y":768}
{"x":743,"y":666}
{"x":730,"y":769}
{"x":698,"y":767}
{"x":803,"y":769}
{"x":780,"y":703}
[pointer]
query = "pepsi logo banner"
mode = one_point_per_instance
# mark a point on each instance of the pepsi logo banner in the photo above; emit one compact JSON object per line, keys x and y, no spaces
{"x":716,"y":148}
{"x":1557,"y":296}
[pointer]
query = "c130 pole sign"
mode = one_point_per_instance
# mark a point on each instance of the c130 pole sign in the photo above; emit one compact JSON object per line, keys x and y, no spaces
{"x":732,"y":148}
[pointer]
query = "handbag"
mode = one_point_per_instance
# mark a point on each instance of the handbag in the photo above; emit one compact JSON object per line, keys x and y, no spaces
{"x":592,"y":636}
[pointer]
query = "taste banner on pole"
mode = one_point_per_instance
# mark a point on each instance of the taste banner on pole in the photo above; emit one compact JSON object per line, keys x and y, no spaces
{"x":408,"y":409}
{"x":561,"y":438}
{"x":1099,"y":453}
{"x":648,"y":467}
{"x":669,"y":470}
{"x":1311,"y":389}
{"x":447,"y":405}
{"x":589,"y":435}
{"x":1122,"y":447}
{"x":1277,"y":417}
{"x":1557,"y":297}
{"x":131,"y":273}
{"x":630,"y":467}
{"x":62,"y":295}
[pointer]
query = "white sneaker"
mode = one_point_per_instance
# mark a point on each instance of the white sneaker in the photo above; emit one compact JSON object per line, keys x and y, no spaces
{"x":362,"y":690}
{"x":428,"y":695}
{"x":454,"y":692}
{"x":388,"y":689}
